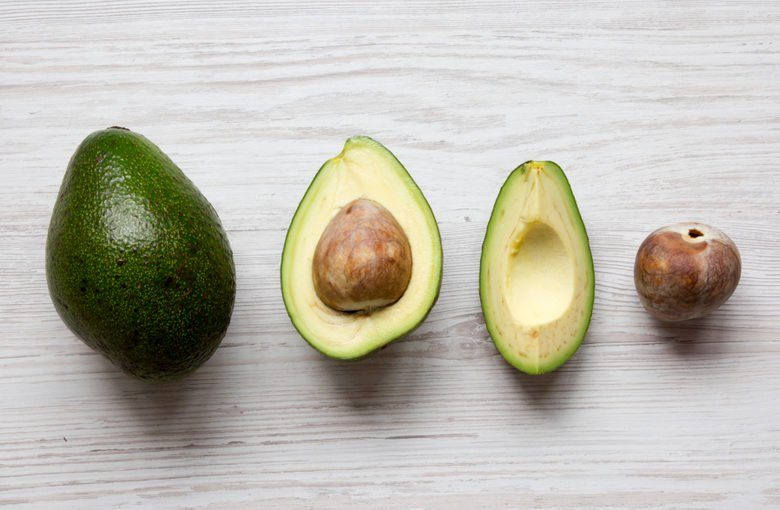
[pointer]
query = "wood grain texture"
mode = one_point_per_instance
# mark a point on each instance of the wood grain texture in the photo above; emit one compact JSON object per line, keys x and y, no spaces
{"x":658,"y":111}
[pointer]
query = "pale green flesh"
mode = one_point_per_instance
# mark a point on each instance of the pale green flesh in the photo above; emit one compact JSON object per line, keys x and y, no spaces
{"x":363,"y":169}
{"x":536,"y":271}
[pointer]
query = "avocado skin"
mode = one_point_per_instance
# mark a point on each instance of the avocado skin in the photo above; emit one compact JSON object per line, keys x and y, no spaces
{"x":137,"y":262}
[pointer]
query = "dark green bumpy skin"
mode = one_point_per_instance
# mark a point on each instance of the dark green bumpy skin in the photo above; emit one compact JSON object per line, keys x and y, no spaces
{"x":137,"y":262}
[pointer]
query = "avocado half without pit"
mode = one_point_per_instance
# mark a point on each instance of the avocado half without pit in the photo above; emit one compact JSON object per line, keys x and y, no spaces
{"x":536,"y":270}
{"x":362,"y":261}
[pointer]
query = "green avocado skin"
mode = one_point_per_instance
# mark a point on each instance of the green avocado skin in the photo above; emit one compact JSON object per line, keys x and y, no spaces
{"x":137,"y":262}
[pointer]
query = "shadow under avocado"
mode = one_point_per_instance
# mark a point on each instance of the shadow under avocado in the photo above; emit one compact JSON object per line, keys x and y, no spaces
{"x":546,"y":392}
{"x":175,"y":407}
{"x":366,"y":384}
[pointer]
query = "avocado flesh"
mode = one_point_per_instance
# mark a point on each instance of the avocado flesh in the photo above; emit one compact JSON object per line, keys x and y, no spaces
{"x":363,"y":169}
{"x":536,"y":271}
{"x":137,"y":262}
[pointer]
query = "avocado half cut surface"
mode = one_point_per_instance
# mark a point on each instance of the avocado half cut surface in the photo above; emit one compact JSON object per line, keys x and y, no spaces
{"x":536,"y":272}
{"x":366,"y":172}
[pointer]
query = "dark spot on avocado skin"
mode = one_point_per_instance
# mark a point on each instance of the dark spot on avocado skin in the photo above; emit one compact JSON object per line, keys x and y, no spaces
{"x":58,"y":301}
{"x":151,"y":331}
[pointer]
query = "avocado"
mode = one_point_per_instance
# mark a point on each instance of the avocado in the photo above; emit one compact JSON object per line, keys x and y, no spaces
{"x":362,"y":261}
{"x":536,"y":281}
{"x":137,"y":262}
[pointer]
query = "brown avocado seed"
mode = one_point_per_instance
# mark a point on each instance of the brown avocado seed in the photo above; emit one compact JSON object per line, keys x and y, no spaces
{"x":685,"y":271}
{"x":363,"y":260}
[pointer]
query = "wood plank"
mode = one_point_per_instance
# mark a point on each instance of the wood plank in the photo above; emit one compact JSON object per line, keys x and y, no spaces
{"x":659,"y":112}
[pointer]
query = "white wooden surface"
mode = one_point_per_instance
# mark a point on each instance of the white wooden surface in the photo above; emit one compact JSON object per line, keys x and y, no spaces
{"x":659,"y":112}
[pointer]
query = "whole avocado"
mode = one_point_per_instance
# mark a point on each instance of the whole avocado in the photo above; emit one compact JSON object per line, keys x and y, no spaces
{"x":137,"y":262}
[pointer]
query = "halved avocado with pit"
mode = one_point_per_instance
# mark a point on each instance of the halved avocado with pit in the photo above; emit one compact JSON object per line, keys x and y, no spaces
{"x":536,"y":271}
{"x":362,"y":261}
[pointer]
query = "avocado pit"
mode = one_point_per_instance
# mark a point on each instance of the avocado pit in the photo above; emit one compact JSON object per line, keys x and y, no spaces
{"x":686,"y":271}
{"x":363,"y":261}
